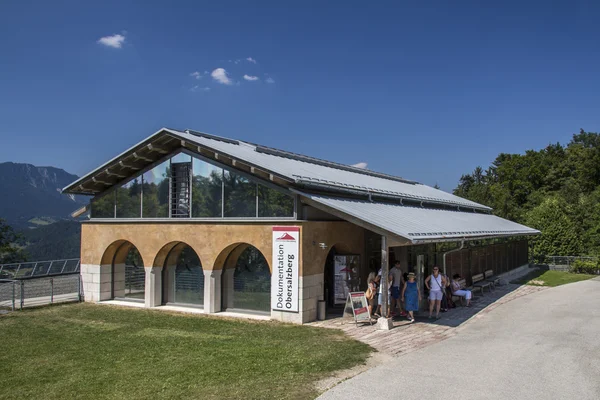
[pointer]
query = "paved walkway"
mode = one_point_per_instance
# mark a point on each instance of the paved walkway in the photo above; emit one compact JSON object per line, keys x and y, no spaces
{"x":407,"y":337}
{"x":541,"y":346}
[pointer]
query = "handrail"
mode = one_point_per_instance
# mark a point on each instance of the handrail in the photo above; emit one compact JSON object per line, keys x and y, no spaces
{"x":40,"y":268}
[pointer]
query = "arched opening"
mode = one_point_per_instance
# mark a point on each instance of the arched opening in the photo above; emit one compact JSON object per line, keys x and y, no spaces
{"x":341,"y":275}
{"x":246,"y":280}
{"x":128,"y":274}
{"x":183,"y":276}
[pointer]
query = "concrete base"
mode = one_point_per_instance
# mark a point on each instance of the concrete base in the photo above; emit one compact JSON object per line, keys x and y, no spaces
{"x":212,"y":291}
{"x":153,"y":292}
{"x":310,"y":292}
{"x":385,"y":324}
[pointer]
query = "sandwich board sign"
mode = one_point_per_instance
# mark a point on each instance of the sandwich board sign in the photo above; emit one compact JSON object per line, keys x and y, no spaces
{"x":358,"y":305}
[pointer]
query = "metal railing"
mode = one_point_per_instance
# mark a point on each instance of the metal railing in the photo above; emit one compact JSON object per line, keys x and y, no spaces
{"x":39,"y":268}
{"x":564,"y":263}
{"x":38,"y":283}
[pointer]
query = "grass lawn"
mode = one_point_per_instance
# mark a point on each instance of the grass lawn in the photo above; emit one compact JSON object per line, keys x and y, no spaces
{"x":93,"y":351}
{"x":542,"y":277}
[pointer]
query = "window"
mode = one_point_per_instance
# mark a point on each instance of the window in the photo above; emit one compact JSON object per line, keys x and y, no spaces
{"x":240,"y":196}
{"x":207,"y":191}
{"x":180,"y":189}
{"x":103,"y":207}
{"x":189,"y":187}
{"x":155,"y":192}
{"x":129,"y":199}
{"x":273,"y":203}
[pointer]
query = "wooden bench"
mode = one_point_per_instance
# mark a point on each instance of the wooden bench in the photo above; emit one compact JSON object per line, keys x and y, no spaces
{"x":490,"y":277}
{"x":479,"y":282}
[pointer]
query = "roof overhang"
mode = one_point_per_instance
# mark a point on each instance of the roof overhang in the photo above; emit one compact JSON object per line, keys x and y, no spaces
{"x":417,"y":225}
{"x":155,"y":149}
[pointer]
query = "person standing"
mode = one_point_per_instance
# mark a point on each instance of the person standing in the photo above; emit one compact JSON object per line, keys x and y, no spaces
{"x":397,"y":284}
{"x":436,"y":284}
{"x":411,"y":296}
{"x":372,"y":291}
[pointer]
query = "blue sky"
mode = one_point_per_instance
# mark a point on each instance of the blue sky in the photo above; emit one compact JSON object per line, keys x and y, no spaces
{"x":423,"y":91}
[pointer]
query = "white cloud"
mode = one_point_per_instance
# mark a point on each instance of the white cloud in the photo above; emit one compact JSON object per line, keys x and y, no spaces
{"x":196,"y":75}
{"x":250,"y":78}
{"x":252,"y":60}
{"x":270,"y":80}
{"x":361,"y":165}
{"x":114,"y":41}
{"x":199,"y":89}
{"x":220,"y":75}
{"x":237,"y":61}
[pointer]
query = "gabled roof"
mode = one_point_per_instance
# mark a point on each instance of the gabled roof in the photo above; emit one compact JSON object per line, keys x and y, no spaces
{"x":291,"y":169}
{"x":418,"y":224}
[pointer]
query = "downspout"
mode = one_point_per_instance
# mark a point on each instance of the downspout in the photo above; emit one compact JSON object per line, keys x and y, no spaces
{"x":462,"y":246}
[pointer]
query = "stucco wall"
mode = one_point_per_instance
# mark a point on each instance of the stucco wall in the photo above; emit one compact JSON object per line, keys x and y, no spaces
{"x":101,"y":244}
{"x":213,"y":242}
{"x":209,"y":241}
{"x":344,"y":236}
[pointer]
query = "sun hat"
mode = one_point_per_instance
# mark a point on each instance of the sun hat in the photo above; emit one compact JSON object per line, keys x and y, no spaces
{"x":411,"y":274}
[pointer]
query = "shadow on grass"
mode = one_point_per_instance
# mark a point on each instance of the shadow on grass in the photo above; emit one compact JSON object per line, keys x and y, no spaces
{"x":532,"y":275}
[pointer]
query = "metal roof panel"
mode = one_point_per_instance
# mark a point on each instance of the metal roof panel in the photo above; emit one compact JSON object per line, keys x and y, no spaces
{"x":423,"y":224}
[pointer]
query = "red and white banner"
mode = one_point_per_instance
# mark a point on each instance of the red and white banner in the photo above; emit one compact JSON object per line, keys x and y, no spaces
{"x":284,"y":279}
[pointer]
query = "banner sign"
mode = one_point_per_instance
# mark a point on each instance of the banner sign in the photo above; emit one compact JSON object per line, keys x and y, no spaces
{"x":284,"y":278}
{"x":357,"y":302}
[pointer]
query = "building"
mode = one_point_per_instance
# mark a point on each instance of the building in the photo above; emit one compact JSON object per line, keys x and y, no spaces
{"x":189,"y":218}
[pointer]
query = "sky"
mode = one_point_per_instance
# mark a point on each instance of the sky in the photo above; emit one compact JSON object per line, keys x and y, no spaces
{"x":423,"y":90}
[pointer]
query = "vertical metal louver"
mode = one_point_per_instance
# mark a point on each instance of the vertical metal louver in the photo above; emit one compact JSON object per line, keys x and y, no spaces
{"x":181,"y":176}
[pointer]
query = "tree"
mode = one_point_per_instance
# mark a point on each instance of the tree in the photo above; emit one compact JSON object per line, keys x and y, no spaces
{"x":560,"y":233}
{"x":9,"y":252}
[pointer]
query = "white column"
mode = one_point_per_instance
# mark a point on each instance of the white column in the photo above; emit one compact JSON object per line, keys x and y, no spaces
{"x":212,"y":291}
{"x":170,"y":284}
{"x":119,"y":280}
{"x":228,"y":287}
{"x":153,"y":290}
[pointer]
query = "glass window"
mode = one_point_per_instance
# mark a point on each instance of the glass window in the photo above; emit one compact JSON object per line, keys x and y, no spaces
{"x":128,"y":276}
{"x":273,"y":203}
{"x":251,"y":282}
{"x":240,"y":196}
{"x":156,"y":192}
{"x":104,"y":207}
{"x":135,"y":276}
{"x":181,"y":158}
{"x":206,"y":190}
{"x":128,"y":199}
{"x":189,"y":278}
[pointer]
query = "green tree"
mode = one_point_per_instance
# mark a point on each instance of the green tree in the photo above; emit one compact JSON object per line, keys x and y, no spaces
{"x":9,"y":252}
{"x":560,"y":233}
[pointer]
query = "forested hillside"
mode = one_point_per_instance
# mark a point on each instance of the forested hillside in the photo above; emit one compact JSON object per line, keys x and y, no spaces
{"x":555,"y":190}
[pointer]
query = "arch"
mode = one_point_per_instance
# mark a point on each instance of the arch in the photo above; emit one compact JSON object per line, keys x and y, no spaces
{"x":182,"y":274}
{"x":111,"y":254}
{"x":123,"y":261}
{"x":246,"y":279}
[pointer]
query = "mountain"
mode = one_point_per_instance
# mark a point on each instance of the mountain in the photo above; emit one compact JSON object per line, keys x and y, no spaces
{"x":32,"y":195}
{"x":55,"y":241}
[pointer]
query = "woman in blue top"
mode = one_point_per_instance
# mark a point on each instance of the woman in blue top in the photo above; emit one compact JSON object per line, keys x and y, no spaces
{"x":411,"y":296}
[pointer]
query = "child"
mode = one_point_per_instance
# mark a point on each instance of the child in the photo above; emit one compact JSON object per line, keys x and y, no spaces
{"x":411,"y":296}
{"x":372,"y":281}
